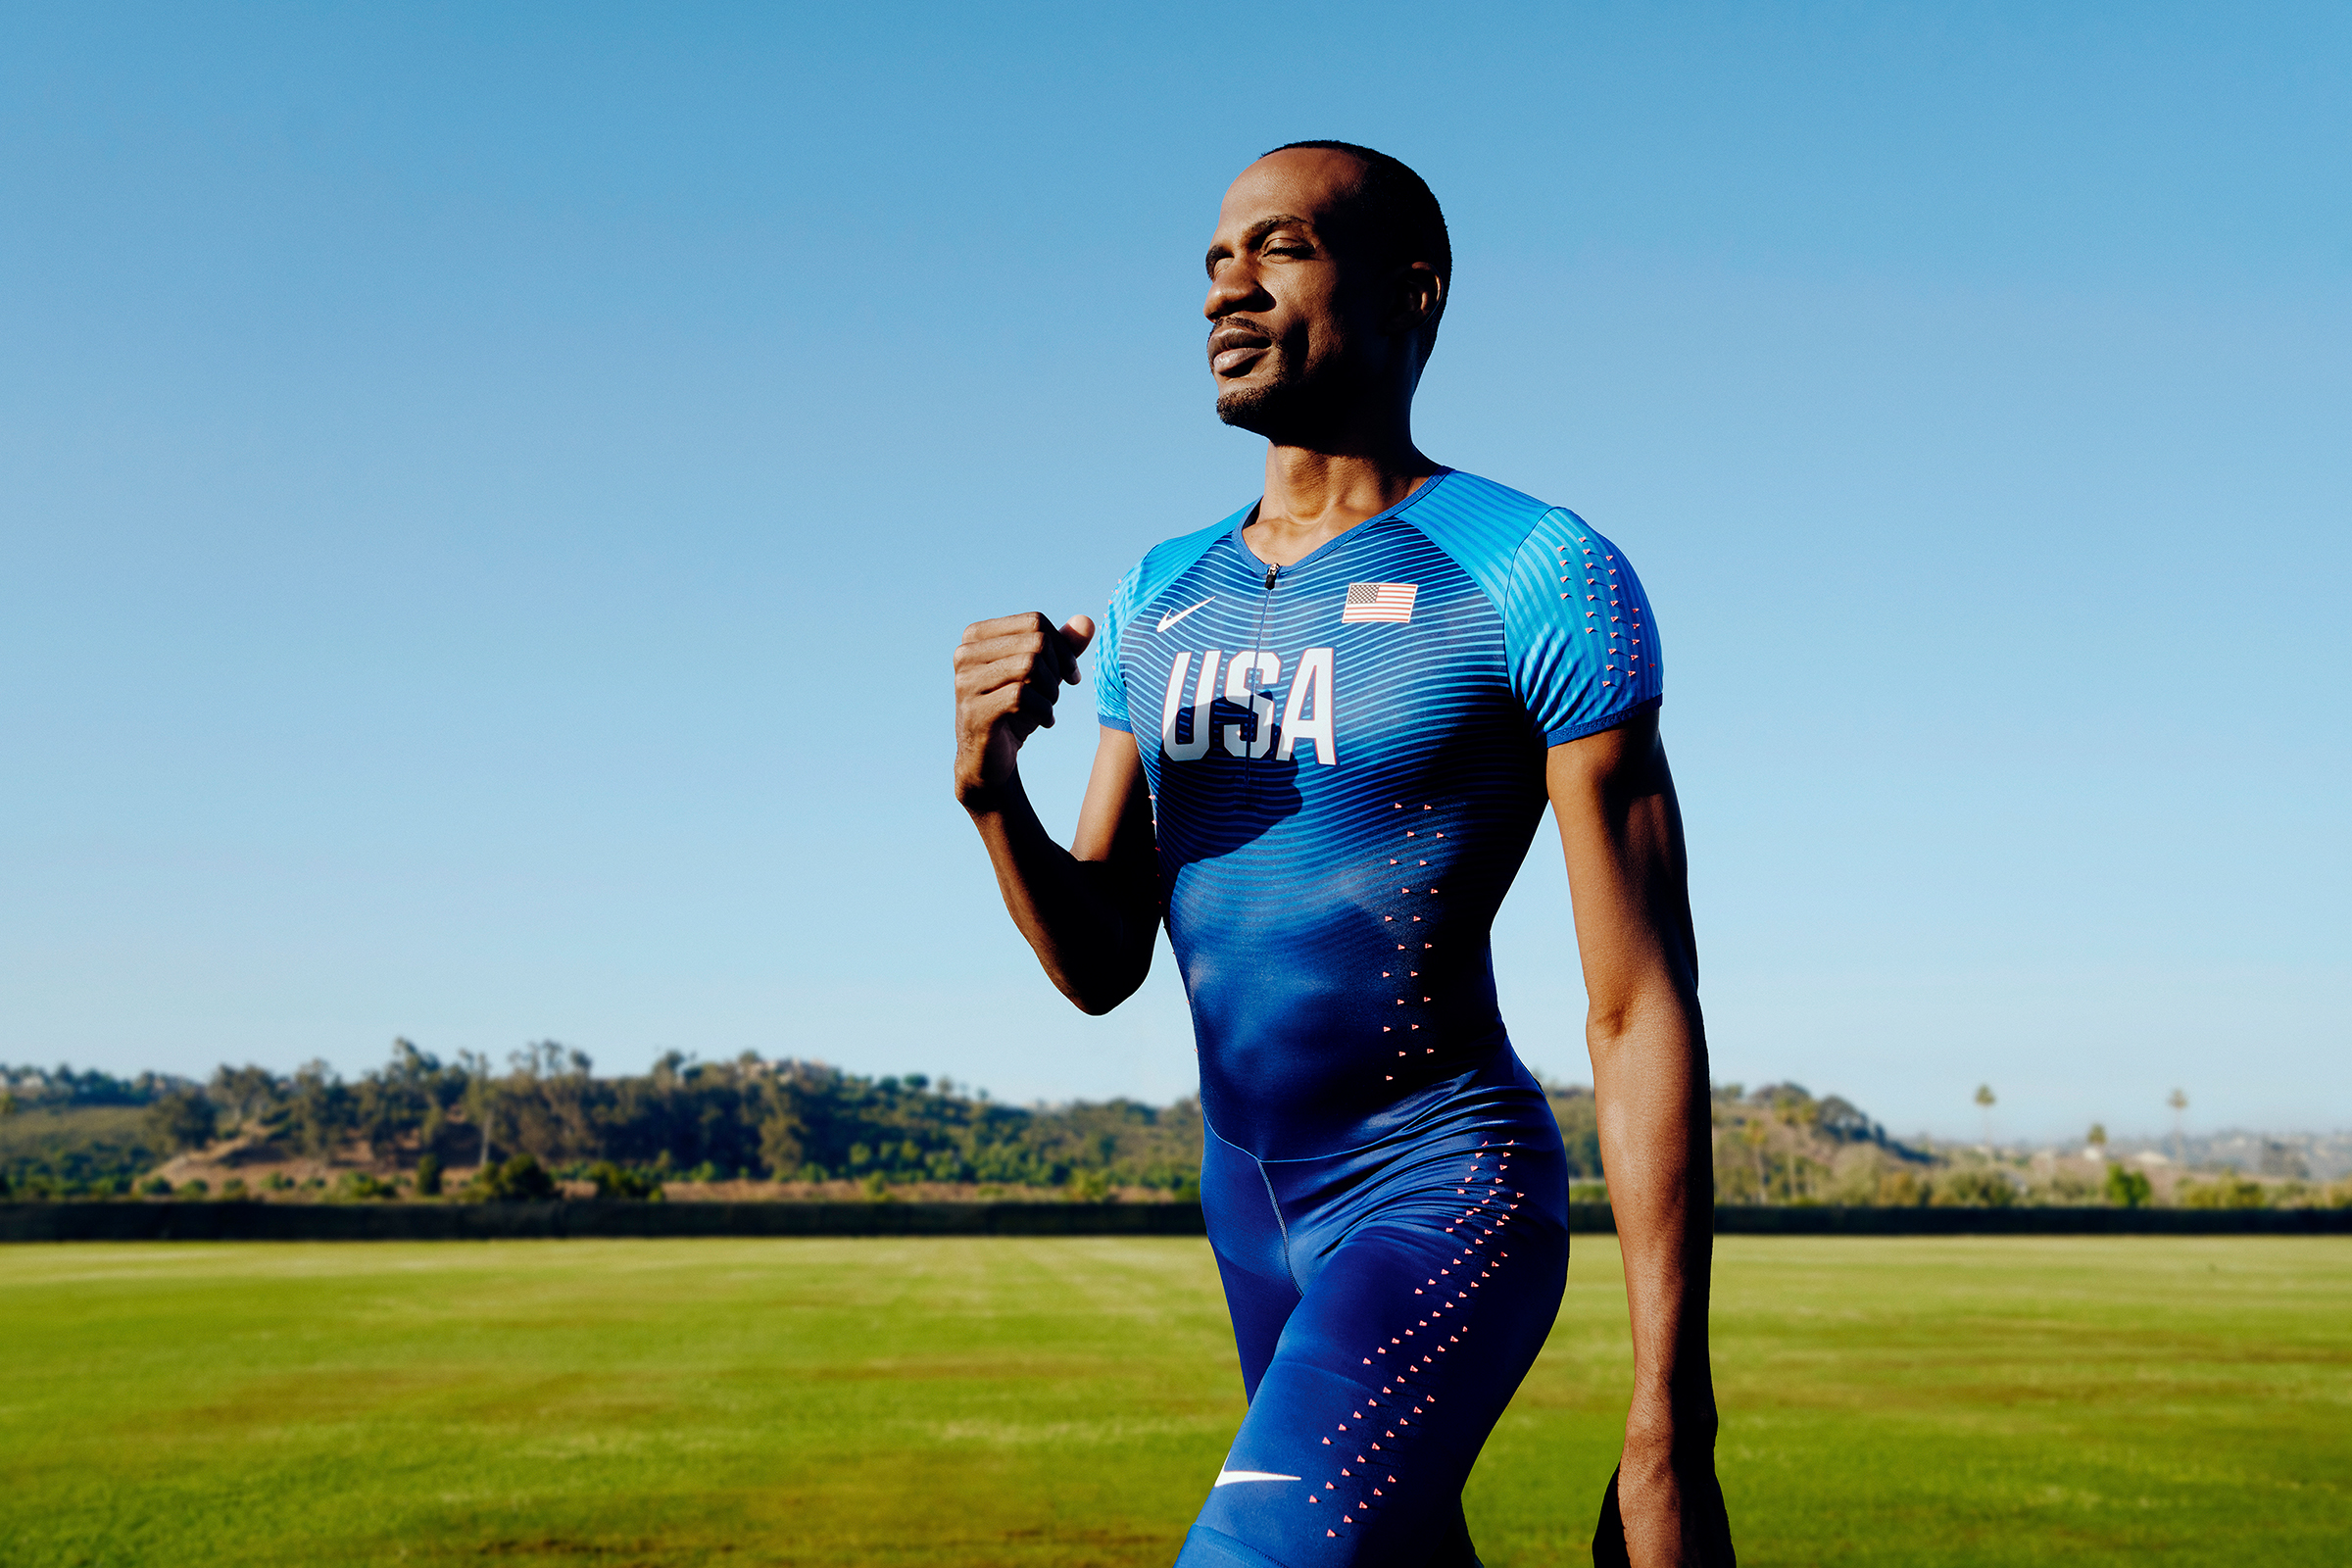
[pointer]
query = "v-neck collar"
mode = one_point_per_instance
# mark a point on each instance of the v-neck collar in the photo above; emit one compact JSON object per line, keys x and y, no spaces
{"x":1388,"y":514}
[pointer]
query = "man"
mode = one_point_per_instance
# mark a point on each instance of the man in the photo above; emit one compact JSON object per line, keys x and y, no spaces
{"x":1369,"y":682}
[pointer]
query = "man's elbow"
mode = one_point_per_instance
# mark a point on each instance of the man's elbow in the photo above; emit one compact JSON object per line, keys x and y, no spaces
{"x":1095,"y":1004}
{"x":1659,"y":1016}
{"x":1096,"y":994}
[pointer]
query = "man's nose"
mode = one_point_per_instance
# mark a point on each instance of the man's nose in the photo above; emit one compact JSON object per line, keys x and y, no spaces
{"x":1232,"y":286}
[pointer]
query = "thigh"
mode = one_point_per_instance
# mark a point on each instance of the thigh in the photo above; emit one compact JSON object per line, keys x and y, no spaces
{"x":1246,"y":1231}
{"x":1413,"y":1334}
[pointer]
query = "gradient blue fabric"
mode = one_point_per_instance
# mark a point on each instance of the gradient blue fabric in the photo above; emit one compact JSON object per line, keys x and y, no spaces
{"x":1341,"y":802}
{"x":1386,"y":1301}
{"x":1346,"y":758}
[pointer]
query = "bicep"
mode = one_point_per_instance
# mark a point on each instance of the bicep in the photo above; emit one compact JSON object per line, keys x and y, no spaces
{"x":1621,"y":833}
{"x":1115,"y":821}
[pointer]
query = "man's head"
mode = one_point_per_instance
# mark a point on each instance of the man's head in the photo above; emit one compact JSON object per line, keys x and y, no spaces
{"x":1326,"y":279}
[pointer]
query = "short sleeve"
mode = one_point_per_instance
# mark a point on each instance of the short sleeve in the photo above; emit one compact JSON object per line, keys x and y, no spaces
{"x":1160,"y":566}
{"x":1582,"y":641}
{"x":1111,"y":679}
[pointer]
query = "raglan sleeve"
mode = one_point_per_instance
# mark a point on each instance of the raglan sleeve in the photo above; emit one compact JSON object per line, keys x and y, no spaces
{"x":1111,"y":679}
{"x":1582,"y":641}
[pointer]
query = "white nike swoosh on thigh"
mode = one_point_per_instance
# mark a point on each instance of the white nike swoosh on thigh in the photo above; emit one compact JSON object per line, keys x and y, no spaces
{"x":1226,"y":1478}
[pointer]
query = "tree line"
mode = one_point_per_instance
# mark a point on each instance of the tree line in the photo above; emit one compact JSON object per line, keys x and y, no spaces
{"x":1780,"y":1144}
{"x":747,"y":1118}
{"x":546,"y":1115}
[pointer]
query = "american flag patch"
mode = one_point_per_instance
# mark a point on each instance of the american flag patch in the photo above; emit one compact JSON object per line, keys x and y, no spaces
{"x":1379,"y":600}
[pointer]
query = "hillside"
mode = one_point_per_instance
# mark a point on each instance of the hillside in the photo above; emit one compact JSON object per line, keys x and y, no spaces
{"x":79,"y":1145}
{"x":756,"y":1128}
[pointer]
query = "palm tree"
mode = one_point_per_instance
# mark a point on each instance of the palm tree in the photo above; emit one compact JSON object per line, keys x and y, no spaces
{"x":1985,"y":1099}
{"x":2178,"y":1100}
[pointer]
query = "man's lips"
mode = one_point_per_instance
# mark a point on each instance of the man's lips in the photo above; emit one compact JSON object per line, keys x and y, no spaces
{"x":1233,"y":348}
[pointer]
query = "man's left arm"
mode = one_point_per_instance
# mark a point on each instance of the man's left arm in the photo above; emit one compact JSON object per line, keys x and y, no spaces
{"x":1622,"y":833}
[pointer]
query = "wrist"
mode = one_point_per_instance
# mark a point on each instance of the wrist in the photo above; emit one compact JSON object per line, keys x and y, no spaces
{"x":982,"y":797}
{"x":1669,"y":1425}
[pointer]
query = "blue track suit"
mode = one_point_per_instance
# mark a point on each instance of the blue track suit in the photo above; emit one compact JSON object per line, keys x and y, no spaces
{"x":1346,"y":758}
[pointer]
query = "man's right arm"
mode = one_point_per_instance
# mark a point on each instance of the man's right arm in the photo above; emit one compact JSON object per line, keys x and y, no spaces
{"x":1090,"y":912}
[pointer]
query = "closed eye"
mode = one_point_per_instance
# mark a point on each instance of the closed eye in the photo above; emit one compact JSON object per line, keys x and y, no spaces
{"x":1258,"y":233}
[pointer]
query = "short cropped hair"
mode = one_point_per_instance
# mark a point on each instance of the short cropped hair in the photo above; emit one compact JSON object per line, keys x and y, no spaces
{"x":1402,"y":208}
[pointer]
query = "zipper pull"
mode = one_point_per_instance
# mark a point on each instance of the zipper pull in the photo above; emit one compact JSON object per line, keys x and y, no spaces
{"x":1270,"y":570}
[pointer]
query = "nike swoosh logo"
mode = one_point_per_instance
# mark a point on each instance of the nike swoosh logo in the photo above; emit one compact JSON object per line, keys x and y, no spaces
{"x":1226,"y":1478}
{"x":1165,"y":621}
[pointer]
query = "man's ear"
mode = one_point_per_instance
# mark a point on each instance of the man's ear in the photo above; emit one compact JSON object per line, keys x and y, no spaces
{"x":1420,"y":295}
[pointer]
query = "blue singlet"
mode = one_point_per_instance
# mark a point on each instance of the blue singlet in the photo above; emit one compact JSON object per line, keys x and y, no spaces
{"x":1347,"y":769}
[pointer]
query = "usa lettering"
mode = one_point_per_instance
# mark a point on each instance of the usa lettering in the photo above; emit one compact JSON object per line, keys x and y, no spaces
{"x":1247,"y":681}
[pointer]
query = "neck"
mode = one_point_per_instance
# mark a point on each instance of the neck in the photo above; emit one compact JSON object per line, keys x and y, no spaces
{"x":1316,"y":493}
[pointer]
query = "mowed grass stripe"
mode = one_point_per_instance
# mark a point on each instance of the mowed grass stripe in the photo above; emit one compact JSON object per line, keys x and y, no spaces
{"x":972,"y":1402}
{"x":2041,"y":1399}
{"x":819,"y":1401}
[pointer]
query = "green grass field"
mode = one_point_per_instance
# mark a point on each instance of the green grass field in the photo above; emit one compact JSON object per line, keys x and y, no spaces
{"x":1065,"y":1401}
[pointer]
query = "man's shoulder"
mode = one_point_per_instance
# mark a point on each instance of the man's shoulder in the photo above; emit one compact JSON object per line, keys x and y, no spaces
{"x":1168,"y":561}
{"x":1482,"y":525}
{"x":1170,"y":556}
{"x":1470,"y":515}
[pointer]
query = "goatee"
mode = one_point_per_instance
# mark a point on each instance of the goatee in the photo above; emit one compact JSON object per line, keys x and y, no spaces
{"x":1285,"y":412}
{"x":1246,"y":408}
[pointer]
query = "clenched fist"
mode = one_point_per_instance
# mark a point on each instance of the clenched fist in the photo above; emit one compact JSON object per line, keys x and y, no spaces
{"x":1008,"y":673}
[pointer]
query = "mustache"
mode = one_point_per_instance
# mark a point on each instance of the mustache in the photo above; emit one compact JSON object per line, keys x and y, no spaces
{"x":1232,"y":332}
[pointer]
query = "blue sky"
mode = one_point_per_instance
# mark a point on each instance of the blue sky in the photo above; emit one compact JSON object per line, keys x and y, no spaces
{"x":488,"y":493}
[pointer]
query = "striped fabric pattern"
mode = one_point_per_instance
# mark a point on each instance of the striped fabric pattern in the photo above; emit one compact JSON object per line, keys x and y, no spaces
{"x":1343,"y":798}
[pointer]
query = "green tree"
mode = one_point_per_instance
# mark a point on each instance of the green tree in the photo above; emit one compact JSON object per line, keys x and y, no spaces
{"x":246,"y":1094}
{"x":2178,"y":1100}
{"x":182,"y":1119}
{"x":521,"y":1179}
{"x":428,"y":1175}
{"x":1985,"y":1103}
{"x":784,"y":1135}
{"x":2227,"y":1191}
{"x":613,"y":1182}
{"x":2128,"y":1187}
{"x":322,"y":1109}
{"x":1973,"y":1187}
{"x":359,"y":1185}
{"x":1902,"y":1189}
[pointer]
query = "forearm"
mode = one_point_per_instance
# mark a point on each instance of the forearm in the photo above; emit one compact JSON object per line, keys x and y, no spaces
{"x":1622,"y":832}
{"x":1092,"y":935}
{"x":1650,"y":1072}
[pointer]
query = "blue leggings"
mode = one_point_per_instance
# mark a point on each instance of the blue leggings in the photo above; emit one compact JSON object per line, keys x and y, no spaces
{"x":1386,"y":1300}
